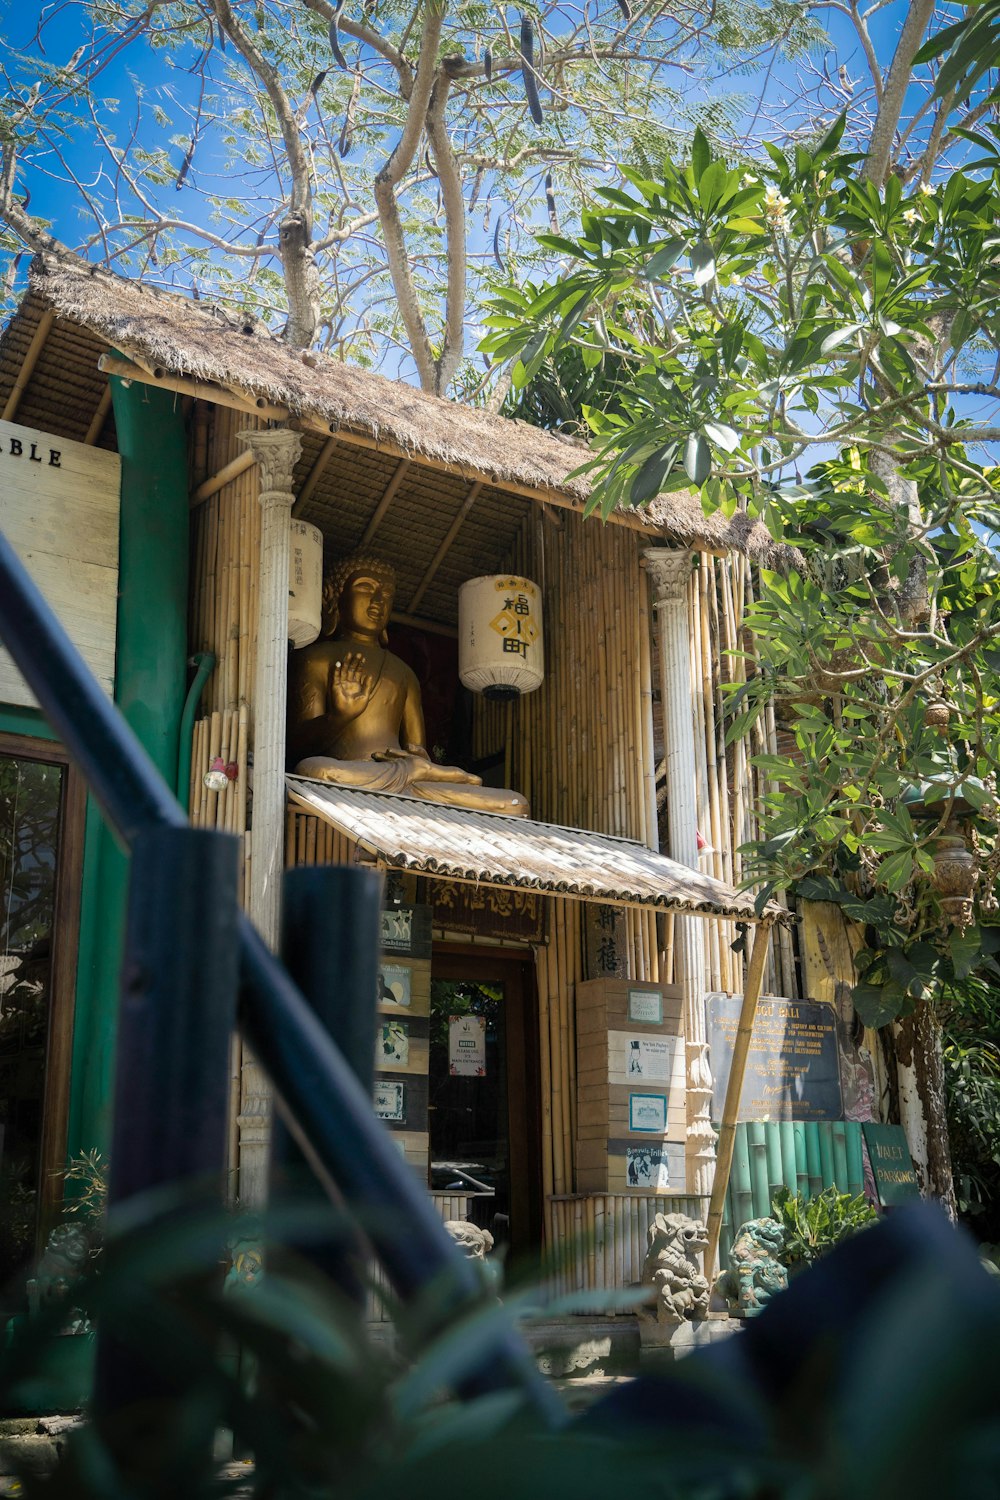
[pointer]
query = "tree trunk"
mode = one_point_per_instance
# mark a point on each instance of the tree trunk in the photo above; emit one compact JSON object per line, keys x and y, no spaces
{"x":922,"y":1109}
{"x":301,"y":280}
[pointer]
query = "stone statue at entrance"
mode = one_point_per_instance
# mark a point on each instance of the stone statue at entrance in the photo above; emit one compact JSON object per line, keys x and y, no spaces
{"x":674,"y":1247}
{"x":354,"y":712}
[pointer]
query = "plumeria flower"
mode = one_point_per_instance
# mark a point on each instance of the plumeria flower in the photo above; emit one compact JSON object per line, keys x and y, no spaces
{"x":927,"y":189}
{"x":911,"y":215}
{"x":775,"y":204}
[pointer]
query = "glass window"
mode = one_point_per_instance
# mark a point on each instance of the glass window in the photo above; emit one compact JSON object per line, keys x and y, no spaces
{"x":30,"y":805}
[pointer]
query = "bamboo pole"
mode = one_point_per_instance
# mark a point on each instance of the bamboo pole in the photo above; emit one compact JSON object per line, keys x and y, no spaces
{"x":229,"y":471}
{"x":28,"y":363}
{"x":734,"y":1088}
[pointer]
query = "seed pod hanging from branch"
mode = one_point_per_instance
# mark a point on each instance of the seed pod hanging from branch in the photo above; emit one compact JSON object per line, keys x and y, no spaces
{"x":550,"y":203}
{"x":334,"y":35}
{"x":528,"y":68}
{"x":488,"y":64}
{"x":347,"y":129}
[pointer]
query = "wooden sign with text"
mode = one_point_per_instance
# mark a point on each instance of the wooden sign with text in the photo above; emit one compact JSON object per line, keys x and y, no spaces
{"x":488,"y":910}
{"x":891,"y":1164}
{"x":793,"y":1068}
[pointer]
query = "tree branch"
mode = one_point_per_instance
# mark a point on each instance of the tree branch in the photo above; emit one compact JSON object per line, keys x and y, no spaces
{"x":918,"y":18}
{"x":389,"y":178}
{"x":450,"y":179}
{"x":295,"y":231}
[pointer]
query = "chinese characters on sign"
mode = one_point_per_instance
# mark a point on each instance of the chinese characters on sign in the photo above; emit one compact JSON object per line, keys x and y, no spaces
{"x":467,"y":1046}
{"x":515,"y":622}
{"x":488,"y":910}
{"x":607,"y":945}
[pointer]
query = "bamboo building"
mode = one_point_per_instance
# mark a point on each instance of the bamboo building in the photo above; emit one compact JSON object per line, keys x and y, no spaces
{"x":581,"y":941}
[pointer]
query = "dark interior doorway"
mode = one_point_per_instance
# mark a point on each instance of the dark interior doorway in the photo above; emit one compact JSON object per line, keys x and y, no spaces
{"x":484,"y":1116}
{"x":41,"y":826}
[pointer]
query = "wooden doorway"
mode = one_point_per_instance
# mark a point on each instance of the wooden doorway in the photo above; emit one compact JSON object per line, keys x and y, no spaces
{"x":487,"y":1128}
{"x":41,"y":844}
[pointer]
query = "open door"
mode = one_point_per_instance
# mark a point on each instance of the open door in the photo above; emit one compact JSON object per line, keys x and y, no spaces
{"x":483,"y":1097}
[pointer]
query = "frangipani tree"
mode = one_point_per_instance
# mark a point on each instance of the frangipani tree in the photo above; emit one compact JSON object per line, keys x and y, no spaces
{"x":820,"y":348}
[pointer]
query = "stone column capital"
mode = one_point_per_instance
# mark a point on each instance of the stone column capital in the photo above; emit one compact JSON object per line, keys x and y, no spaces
{"x":276,"y":451}
{"x":669,"y":569}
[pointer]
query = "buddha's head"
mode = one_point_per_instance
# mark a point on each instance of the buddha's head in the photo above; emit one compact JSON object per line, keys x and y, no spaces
{"x":357,"y":597}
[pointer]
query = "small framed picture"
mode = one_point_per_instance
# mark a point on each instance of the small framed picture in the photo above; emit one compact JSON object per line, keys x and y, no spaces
{"x":394,"y":984}
{"x":394,"y":1043}
{"x":390,"y":1101}
{"x":646,"y":1006}
{"x":648,"y":1112}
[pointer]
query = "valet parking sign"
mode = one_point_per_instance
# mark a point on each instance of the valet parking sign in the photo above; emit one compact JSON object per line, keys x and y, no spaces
{"x":467,"y":1046}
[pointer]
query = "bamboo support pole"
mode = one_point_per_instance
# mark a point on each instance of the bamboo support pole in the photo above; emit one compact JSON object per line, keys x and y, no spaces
{"x":28,"y":363}
{"x":99,"y":418}
{"x":734,"y":1088}
{"x":229,"y":471}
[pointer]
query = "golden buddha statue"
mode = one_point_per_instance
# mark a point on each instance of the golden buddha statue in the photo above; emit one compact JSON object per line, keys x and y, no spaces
{"x":354,"y":712}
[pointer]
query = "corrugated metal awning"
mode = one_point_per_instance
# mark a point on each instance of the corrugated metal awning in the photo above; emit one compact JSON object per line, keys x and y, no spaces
{"x":456,"y":843}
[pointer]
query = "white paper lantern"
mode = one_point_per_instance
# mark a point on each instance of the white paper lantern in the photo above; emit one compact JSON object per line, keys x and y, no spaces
{"x":305,"y":582}
{"x":501,"y":651}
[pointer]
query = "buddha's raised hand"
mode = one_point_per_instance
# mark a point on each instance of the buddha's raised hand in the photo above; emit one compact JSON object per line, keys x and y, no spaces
{"x":351,"y":686}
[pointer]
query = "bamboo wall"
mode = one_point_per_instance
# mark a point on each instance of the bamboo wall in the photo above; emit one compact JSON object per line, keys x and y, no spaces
{"x":584,"y":748}
{"x":225,"y":559}
{"x":730,"y":791}
{"x":581,"y":749}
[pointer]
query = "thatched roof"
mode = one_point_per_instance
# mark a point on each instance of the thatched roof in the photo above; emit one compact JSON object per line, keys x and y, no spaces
{"x":195,"y":340}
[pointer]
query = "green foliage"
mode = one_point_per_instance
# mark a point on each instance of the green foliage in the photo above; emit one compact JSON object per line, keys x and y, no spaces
{"x":813,"y":1226}
{"x":331,"y":1413}
{"x":972,"y":1082}
{"x":790,"y":342}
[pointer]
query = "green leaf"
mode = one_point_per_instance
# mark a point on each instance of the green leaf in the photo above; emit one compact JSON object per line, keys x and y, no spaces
{"x":666,"y":255}
{"x":703,"y":263}
{"x":701,"y":153}
{"x":697,"y":459}
{"x":876,"y":1005}
{"x":650,"y":479}
{"x":838,"y":337}
{"x":965,"y":949}
{"x":722,"y":436}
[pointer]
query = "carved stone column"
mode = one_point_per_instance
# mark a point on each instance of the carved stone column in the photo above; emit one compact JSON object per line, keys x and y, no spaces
{"x":669,"y":574}
{"x":275,"y":452}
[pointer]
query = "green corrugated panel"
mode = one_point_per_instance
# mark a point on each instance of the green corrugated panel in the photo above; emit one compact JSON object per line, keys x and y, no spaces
{"x":789,"y":1155}
{"x":814,"y":1170}
{"x":758,"y":1169}
{"x":855,"y":1159}
{"x":827,"y":1174}
{"x":801,"y":1170}
{"x":775,"y":1177}
{"x":740,"y":1188}
{"x":838,"y":1132}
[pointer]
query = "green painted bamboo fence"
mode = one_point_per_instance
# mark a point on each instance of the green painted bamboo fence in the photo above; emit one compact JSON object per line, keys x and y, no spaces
{"x":805,"y":1156}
